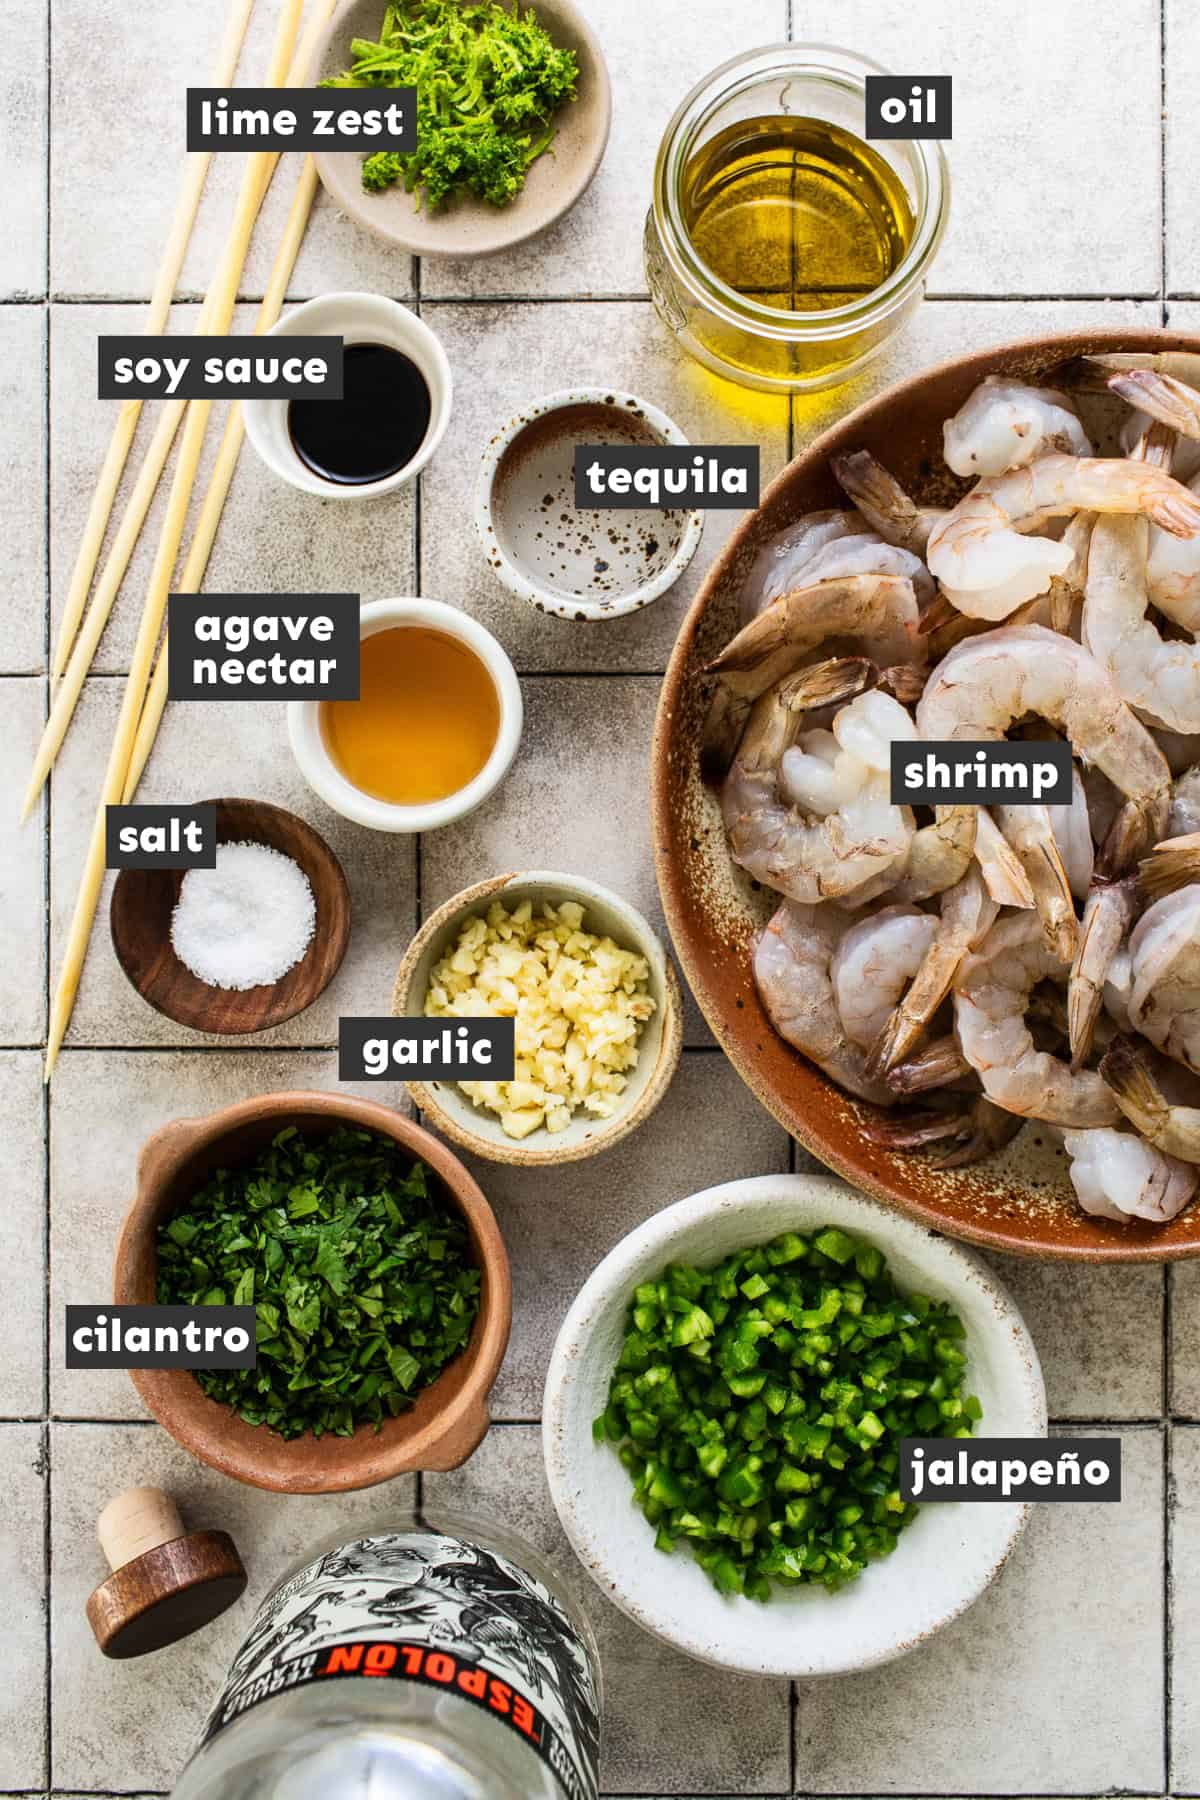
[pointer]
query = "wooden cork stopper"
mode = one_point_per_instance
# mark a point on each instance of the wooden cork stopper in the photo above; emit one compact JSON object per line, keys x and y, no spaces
{"x":166,"y":1582}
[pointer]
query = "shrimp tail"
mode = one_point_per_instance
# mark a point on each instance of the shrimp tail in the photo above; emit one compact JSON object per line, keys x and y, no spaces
{"x":938,"y":1065}
{"x":723,"y":728}
{"x":828,"y":683}
{"x":969,"y":1131}
{"x":1175,"y":1130}
{"x":991,"y":1127}
{"x":1137,"y":824}
{"x":1165,"y":399}
{"x":904,"y":682}
{"x":879,"y":497}
{"x":1171,"y":865}
{"x":1106,"y":918}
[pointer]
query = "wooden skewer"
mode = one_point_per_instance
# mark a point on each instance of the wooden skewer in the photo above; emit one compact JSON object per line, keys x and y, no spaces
{"x":195,"y":173}
{"x":227,"y":458}
{"x":223,"y":296}
{"x":70,"y":689}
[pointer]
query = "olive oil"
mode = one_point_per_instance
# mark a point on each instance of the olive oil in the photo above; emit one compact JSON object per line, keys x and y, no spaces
{"x":426,"y":720}
{"x":797,"y":214}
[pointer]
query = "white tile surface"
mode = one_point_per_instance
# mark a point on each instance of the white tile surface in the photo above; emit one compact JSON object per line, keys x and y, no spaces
{"x":1054,"y":163}
{"x":1054,"y":1683}
{"x":22,"y":1580}
{"x":119,"y":77}
{"x":597,"y":247}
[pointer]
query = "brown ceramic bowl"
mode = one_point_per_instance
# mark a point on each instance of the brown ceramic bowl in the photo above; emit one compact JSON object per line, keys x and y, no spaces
{"x":1021,"y":1199}
{"x":466,"y":226}
{"x":140,"y":919}
{"x":449,"y":1418}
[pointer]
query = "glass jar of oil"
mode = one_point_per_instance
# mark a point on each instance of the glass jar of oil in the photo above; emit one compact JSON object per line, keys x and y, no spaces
{"x":782,"y":248}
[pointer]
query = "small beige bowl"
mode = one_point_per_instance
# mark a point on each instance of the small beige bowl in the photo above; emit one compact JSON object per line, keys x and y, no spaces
{"x":444,"y":1104}
{"x":470,"y":227}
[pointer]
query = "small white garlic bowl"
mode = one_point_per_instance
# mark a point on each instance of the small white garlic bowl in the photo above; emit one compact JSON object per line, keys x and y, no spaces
{"x":326,"y":779}
{"x":445,"y":1105}
{"x":356,"y":319}
{"x":944,"y":1560}
{"x":586,"y":564}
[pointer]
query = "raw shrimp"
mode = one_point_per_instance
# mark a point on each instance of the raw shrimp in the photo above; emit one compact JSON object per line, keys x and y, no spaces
{"x":986,"y":684}
{"x":1182,"y":365}
{"x":1172,"y":1127}
{"x":1030,"y":835}
{"x":1184,"y":815}
{"x":883,"y":503}
{"x":1072,"y":828}
{"x":987,"y":568}
{"x":876,"y":612}
{"x":1004,"y":424}
{"x":1106,"y":920}
{"x":970,"y":1128}
{"x":1173,"y":863}
{"x":874,"y":963}
{"x":1162,"y":397}
{"x":1063,"y":600}
{"x":1005,"y":879}
{"x":1117,"y":989}
{"x":1160,"y":677}
{"x":794,"y":849}
{"x":791,"y":971}
{"x":938,"y":1064}
{"x":862,"y":553}
{"x":778,"y":564}
{"x":1173,"y":574}
{"x":823,"y":771}
{"x":1185,"y":460}
{"x":1164,"y":994}
{"x":990,"y":1000}
{"x":967,"y":915}
{"x":1117,"y":1176}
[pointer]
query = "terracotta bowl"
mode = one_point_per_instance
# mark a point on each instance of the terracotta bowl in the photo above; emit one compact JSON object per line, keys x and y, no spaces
{"x":1021,"y":1199}
{"x":143,"y":901}
{"x":449,"y":1418}
{"x":466,"y":226}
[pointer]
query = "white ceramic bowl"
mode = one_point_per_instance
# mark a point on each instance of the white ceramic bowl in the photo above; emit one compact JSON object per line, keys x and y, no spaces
{"x":445,"y":1105}
{"x":946,"y":1557}
{"x":358,"y":319}
{"x":581,"y":565}
{"x":326,"y":779}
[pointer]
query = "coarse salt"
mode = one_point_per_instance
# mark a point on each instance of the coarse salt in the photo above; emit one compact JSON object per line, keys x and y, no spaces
{"x":246,"y":922}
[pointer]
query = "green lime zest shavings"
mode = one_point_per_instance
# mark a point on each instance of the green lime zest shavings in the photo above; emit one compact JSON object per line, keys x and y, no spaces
{"x":759,"y":1406}
{"x":489,"y":80}
{"x":361,"y":1276}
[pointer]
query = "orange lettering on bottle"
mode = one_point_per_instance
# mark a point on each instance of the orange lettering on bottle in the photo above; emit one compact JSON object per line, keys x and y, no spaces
{"x":473,"y":1682}
{"x":343,"y":1659}
{"x":380,"y":1659}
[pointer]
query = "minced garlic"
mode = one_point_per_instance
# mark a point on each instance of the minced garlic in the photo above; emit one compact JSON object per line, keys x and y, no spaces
{"x":579,"y":1002}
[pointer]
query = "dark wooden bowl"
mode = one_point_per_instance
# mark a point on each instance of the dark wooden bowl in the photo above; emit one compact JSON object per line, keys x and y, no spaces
{"x":1021,"y":1199}
{"x":449,"y":1417}
{"x":140,"y":916}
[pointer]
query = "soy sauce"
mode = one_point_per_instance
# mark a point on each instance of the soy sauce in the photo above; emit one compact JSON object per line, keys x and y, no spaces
{"x":375,"y":429}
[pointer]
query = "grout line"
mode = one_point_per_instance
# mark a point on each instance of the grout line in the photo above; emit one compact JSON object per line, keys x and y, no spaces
{"x":1168,"y":1454}
{"x":1162,"y":160}
{"x":635,"y":297}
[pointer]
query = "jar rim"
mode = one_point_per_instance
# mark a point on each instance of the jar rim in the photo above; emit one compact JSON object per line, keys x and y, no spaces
{"x":837,"y":67}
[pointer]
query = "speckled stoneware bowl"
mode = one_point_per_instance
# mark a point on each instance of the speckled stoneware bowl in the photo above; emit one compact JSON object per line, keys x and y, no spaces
{"x":1020,"y":1199}
{"x":444,"y":1104}
{"x":580,"y":564}
{"x":466,"y":226}
{"x":944,"y":1560}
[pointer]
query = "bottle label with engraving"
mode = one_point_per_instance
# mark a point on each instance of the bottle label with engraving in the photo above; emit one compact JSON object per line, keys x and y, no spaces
{"x":419,"y":1607}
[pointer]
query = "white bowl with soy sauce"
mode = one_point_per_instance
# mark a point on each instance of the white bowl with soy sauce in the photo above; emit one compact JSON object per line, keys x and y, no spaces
{"x":433,"y":731}
{"x":392,"y":416}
